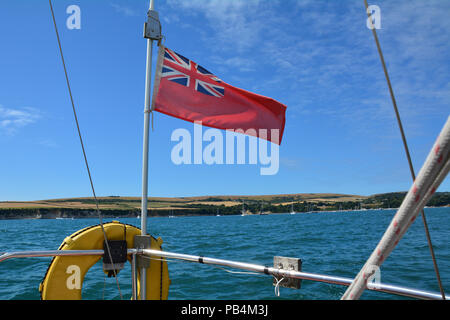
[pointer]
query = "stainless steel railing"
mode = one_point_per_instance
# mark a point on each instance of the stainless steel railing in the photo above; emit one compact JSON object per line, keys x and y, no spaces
{"x":380,"y":287}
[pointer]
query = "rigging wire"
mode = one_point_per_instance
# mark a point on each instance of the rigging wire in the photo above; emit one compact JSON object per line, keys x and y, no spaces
{"x":277,"y":286}
{"x":82,"y":147}
{"x":413,"y":175}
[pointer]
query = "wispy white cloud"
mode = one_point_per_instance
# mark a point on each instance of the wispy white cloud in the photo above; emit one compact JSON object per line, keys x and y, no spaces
{"x":236,"y":24}
{"x":415,"y":39}
{"x":335,"y":55}
{"x":238,"y":63}
{"x":125,"y":10}
{"x":322,"y":59}
{"x":12,"y":120}
{"x":292,"y":164}
{"x":170,"y":18}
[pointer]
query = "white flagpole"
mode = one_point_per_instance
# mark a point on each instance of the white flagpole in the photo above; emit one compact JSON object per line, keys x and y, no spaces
{"x":148,"y":82}
{"x":144,"y":201}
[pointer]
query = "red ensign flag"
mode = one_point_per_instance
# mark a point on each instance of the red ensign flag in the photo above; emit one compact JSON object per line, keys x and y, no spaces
{"x":185,"y":90}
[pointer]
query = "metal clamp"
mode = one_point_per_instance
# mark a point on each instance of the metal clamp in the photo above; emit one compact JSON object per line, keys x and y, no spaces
{"x":152,"y":28}
{"x":142,"y":242}
{"x":290,"y":264}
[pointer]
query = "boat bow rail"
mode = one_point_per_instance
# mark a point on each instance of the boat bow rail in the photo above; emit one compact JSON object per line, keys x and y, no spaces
{"x":272,"y":271}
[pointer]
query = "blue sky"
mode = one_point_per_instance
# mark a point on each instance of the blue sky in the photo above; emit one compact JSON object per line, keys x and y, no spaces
{"x":316,"y":57}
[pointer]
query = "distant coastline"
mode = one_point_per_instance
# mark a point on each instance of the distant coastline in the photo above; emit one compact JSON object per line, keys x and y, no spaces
{"x":116,"y":206}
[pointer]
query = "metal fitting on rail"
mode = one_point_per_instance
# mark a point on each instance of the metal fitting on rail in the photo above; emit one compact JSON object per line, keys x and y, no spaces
{"x":152,"y":28}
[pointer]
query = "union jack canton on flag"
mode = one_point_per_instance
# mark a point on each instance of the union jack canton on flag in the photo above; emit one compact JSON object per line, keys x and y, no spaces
{"x":191,"y":70}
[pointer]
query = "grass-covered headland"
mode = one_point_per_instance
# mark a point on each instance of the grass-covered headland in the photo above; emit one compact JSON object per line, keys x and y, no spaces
{"x":116,"y":206}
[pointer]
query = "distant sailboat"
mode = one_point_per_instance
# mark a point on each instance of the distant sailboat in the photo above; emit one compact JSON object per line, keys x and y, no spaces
{"x":261,"y":213}
{"x":292,"y":209}
{"x":243,"y":213}
{"x":308,"y":208}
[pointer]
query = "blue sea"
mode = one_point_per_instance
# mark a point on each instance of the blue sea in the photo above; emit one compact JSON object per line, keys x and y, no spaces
{"x":331,"y":243}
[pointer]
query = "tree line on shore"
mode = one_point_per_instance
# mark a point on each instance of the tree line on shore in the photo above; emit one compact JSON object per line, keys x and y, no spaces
{"x":284,"y":204}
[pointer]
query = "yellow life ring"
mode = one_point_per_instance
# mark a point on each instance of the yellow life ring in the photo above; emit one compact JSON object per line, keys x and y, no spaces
{"x":60,"y":283}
